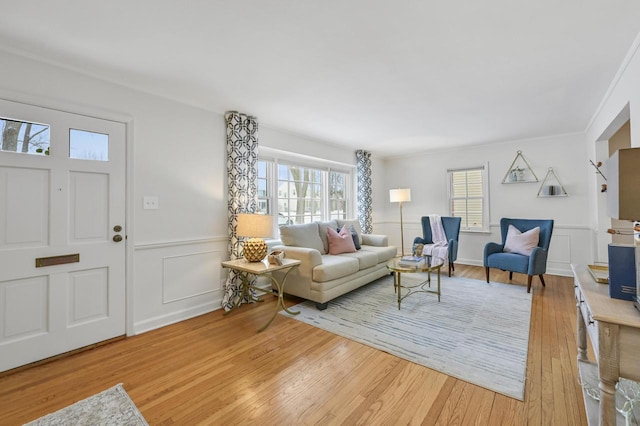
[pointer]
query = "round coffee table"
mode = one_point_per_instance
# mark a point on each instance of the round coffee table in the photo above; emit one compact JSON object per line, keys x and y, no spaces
{"x":430,"y":264}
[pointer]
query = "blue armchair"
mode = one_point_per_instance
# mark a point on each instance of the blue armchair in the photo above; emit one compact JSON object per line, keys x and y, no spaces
{"x":534,"y":264}
{"x":451,"y":227}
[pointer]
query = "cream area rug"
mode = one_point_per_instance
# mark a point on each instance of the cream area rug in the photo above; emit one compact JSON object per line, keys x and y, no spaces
{"x":478,"y":332}
{"x":110,"y":407}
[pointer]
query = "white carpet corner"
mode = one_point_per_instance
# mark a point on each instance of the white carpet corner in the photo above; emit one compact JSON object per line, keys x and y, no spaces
{"x":478,"y":332}
{"x":109,"y":407}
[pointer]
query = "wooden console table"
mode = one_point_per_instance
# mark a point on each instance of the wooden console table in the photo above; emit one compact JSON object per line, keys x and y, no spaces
{"x":613,"y":327}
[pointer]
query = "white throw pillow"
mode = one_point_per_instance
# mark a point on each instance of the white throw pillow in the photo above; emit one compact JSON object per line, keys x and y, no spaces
{"x":302,"y":235}
{"x":521,"y":242}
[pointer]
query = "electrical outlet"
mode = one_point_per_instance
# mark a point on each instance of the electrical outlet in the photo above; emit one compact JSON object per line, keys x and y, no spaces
{"x":150,"y":202}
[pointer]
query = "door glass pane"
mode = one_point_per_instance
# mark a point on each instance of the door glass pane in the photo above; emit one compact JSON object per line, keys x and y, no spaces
{"x":85,"y":145}
{"x":24,"y":137}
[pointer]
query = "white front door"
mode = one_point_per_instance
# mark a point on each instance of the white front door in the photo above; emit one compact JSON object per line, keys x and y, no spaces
{"x":62,"y":212}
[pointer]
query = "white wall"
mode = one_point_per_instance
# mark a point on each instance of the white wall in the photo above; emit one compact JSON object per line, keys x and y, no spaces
{"x":621,"y":103}
{"x":178,"y":154}
{"x":426,"y":175}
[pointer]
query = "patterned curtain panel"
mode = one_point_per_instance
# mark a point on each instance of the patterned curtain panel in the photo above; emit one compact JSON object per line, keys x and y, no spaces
{"x":242,"y":176}
{"x":363,"y":159}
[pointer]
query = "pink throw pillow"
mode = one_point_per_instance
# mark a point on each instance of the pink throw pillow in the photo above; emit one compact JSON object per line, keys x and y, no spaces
{"x":340,"y":242}
{"x":521,"y":242}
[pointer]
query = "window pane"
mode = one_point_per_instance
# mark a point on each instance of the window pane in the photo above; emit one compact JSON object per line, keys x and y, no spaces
{"x":467,"y":197}
{"x":24,"y":137}
{"x":85,"y":145}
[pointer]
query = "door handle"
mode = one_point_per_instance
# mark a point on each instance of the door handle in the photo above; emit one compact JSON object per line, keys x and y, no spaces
{"x":117,"y":238}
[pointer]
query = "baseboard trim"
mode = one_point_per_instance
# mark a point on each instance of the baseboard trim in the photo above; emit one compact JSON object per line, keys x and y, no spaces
{"x":175,"y":317}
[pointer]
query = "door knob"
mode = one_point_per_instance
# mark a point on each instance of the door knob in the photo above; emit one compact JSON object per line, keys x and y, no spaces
{"x":117,"y":228}
{"x":117,"y":238}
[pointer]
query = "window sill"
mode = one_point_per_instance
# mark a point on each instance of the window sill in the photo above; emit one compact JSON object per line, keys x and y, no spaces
{"x":474,"y":232}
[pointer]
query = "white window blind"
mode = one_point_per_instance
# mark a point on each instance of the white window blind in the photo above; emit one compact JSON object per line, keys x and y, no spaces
{"x":468,"y":197}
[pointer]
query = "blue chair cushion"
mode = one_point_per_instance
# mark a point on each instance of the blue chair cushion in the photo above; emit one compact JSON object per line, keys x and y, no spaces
{"x":509,"y":262}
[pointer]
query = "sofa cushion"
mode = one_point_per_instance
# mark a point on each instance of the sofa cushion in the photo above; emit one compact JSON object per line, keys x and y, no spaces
{"x":356,"y":225}
{"x":334,"y":267}
{"x":340,"y":242}
{"x":322,"y":230}
{"x":366,"y":259}
{"x":302,"y":235}
{"x":384,"y":253}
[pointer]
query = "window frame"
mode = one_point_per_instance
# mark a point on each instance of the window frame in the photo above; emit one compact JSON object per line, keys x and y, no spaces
{"x":273,"y":197}
{"x":484,"y":168}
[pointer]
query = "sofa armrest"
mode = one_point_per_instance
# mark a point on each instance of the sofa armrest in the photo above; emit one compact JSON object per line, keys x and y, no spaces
{"x":309,"y":257}
{"x":375,"y":240}
{"x":491,"y":248}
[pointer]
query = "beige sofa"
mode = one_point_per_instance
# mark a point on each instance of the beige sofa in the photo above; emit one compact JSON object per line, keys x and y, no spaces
{"x":322,"y":277}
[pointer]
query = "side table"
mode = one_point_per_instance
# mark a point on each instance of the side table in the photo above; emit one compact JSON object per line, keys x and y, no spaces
{"x":247,"y":269}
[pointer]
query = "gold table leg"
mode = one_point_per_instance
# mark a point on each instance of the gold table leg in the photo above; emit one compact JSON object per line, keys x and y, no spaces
{"x":280,"y":303}
{"x":399,"y":280}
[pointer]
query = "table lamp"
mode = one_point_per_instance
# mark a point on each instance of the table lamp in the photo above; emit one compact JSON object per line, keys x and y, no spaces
{"x":255,"y":227}
{"x":400,"y":196}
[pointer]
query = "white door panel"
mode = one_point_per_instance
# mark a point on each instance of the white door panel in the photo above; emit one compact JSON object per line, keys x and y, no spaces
{"x":53,"y":205}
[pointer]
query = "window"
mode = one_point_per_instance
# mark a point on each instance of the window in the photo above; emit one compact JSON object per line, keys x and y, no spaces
{"x":303,"y":194}
{"x":468,"y":197}
{"x":86,"y":145}
{"x":300,"y":197}
{"x":264,"y":204}
{"x":337,"y":195}
{"x":24,"y":137}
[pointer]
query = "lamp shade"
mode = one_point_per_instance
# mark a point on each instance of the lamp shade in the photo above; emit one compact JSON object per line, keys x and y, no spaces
{"x":400,"y":195}
{"x":623,"y":184}
{"x":254,"y":225}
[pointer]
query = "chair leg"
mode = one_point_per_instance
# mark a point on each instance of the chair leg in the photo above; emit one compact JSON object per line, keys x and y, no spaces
{"x":451,"y":268}
{"x":529,"y":278}
{"x":487,"y":269}
{"x":542,"y":280}
{"x":510,"y":275}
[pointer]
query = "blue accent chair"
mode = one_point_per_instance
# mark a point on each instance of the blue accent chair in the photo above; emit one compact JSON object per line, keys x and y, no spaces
{"x":535,"y":264}
{"x":451,"y":227}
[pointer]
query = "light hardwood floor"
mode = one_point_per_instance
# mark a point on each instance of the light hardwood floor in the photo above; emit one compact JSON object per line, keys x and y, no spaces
{"x":215,"y":370}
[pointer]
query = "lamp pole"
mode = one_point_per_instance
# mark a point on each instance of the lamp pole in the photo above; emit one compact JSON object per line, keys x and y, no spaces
{"x":401,"y":231}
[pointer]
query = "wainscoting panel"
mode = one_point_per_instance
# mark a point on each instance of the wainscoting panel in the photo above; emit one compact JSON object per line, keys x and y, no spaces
{"x":189,"y":275}
{"x":177,"y":280}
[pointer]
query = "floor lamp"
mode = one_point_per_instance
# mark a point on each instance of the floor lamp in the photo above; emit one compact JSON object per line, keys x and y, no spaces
{"x":400,"y":196}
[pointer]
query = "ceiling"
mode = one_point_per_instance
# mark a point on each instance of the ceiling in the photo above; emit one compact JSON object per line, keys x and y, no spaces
{"x":367,"y":74}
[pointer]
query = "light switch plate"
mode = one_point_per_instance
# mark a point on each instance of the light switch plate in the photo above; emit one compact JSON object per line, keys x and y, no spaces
{"x":150,"y":202}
